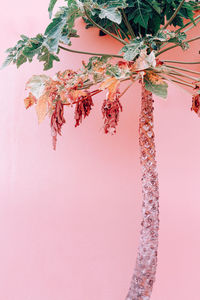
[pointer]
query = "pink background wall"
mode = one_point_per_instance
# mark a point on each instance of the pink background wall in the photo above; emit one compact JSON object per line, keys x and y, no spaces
{"x":70,"y":219}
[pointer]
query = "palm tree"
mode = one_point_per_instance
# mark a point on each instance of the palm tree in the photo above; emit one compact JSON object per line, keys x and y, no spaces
{"x":142,"y":28}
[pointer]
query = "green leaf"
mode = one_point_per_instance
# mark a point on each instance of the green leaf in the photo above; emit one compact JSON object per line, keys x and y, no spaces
{"x":140,"y":13}
{"x":61,"y":26}
{"x":113,"y":71}
{"x":155,"y":4}
{"x":48,"y":58}
{"x":132,"y":50}
{"x":57,"y":24}
{"x":7,"y":61}
{"x":51,"y":7}
{"x":110,"y":4}
{"x":21,"y":60}
{"x":112,"y":14}
{"x":157,"y":87}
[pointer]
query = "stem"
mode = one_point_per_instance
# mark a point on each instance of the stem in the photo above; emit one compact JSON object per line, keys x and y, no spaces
{"x":196,"y":18}
{"x":186,"y":75}
{"x":183,"y":69}
{"x":174,"y":46}
{"x":146,"y":262}
{"x":186,"y":84}
{"x":126,"y":89}
{"x":174,"y":15}
{"x":180,"y":87}
{"x":191,"y":26}
{"x":88,"y":85}
{"x":182,"y":62}
{"x":178,"y":81}
{"x":103,"y":29}
{"x":128,"y":25}
{"x":178,"y":76}
{"x":89,"y":53}
{"x":163,"y":45}
{"x":121,"y":30}
{"x":116,"y":31}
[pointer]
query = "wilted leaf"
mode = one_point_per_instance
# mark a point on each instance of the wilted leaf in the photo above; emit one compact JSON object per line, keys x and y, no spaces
{"x":75,"y":94}
{"x":57,"y":121}
{"x":36,"y":84}
{"x":30,"y":100}
{"x":145,"y":61}
{"x":83,"y":108}
{"x":111,"y":84}
{"x":110,"y":111}
{"x":196,"y":101}
{"x":41,"y":108}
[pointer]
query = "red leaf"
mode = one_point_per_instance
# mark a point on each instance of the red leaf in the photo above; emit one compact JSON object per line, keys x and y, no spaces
{"x":110,"y":110}
{"x":83,"y":107}
{"x":196,"y":101}
{"x":57,"y":121}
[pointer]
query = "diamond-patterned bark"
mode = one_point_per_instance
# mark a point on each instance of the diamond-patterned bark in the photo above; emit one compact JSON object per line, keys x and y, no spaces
{"x":146,"y":262}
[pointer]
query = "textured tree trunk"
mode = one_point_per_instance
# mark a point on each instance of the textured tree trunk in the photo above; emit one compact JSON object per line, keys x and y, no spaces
{"x":146,"y":262}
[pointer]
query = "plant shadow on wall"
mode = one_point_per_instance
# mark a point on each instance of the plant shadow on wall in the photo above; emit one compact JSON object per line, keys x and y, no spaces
{"x":142,"y":29}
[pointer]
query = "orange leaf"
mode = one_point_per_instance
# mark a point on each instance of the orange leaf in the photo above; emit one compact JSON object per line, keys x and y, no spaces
{"x":111,"y":84}
{"x":30,"y":100}
{"x":63,"y":97}
{"x":75,"y":94}
{"x":41,"y":108}
{"x":155,"y":78}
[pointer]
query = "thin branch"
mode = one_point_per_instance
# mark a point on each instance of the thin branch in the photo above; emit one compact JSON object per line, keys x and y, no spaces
{"x":182,"y":62}
{"x":182,"y":69}
{"x":174,"y":15}
{"x":89,"y":53}
{"x":128,"y":25}
{"x":174,"y":46}
{"x":103,"y":29}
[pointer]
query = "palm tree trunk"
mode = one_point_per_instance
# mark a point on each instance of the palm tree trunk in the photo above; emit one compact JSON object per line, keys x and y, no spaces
{"x":146,"y":262}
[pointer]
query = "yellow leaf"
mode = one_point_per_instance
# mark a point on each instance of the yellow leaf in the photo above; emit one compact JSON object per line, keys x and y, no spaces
{"x":29,"y":101}
{"x":41,"y":108}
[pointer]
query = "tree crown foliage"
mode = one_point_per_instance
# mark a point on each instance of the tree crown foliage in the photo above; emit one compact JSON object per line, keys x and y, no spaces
{"x":141,"y":26}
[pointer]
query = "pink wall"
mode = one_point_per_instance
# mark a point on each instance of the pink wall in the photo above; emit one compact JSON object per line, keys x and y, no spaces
{"x":70,"y":219}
